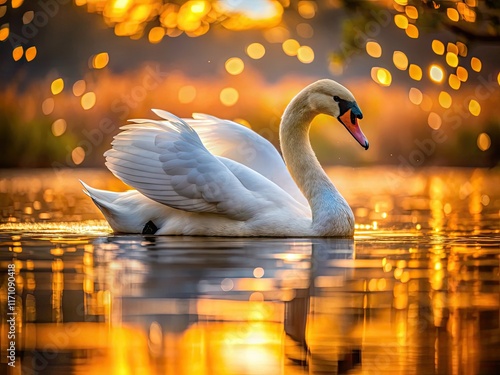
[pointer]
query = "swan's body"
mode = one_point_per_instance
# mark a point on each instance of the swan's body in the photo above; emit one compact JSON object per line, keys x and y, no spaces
{"x":210,"y":177}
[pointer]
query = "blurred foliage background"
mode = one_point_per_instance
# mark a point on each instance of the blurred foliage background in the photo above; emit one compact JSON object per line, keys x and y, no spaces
{"x":425,"y":73}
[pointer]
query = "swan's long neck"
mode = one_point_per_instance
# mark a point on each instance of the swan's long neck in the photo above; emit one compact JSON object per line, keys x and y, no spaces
{"x":331,"y":213}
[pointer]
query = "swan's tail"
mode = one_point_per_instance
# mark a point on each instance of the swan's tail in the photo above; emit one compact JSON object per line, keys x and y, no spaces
{"x":127,"y":212}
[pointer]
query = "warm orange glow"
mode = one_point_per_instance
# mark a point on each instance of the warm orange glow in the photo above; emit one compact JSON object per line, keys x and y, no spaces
{"x":415,"y":72}
{"x":100,"y":60}
{"x":57,"y":86}
{"x":373,"y":49}
{"x":256,"y":51}
{"x":290,"y":47}
{"x":17,"y":53}
{"x":88,"y":100}
{"x":229,"y":96}
{"x":436,"y":73}
{"x":444,"y":99}
{"x":474,"y":107}
{"x":234,"y":65}
{"x":305,"y":54}
{"x":476,"y":64}
{"x":79,"y":87}
{"x":426,"y":104}
{"x":415,"y":96}
{"x":483,"y":141}
{"x":437,"y":47}
{"x":401,"y":2}
{"x":59,"y":127}
{"x":400,"y":60}
{"x":31,"y":53}
{"x":187,"y":94}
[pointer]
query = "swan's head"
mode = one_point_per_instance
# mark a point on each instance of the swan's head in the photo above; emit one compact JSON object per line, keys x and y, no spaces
{"x":331,"y":98}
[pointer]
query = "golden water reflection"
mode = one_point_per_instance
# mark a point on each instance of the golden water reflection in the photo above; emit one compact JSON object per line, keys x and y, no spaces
{"x":395,"y":300}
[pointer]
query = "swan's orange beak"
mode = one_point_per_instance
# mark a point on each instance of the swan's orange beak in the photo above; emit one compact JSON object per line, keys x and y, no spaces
{"x":350,"y":121}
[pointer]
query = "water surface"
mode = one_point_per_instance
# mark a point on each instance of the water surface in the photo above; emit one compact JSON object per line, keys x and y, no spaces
{"x":415,"y":292}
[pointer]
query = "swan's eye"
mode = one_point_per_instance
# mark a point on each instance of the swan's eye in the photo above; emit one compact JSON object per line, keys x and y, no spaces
{"x":336,"y":98}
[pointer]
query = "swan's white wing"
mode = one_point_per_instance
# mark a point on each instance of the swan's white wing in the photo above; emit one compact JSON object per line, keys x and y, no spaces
{"x":167,"y":162}
{"x":239,"y":143}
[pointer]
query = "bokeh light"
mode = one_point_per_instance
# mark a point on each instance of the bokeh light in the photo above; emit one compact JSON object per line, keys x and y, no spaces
{"x":454,"y":82}
{"x":290,"y":47}
{"x":187,"y":94}
{"x":28,"y":17}
{"x":415,"y":96}
{"x":4,"y":32}
{"x":483,"y":141}
{"x":307,"y":9}
{"x":57,"y":86}
{"x":229,"y":96}
{"x":48,"y":106}
{"x":452,"y":14}
{"x":415,"y":72}
{"x":474,"y":107}
{"x":412,"y":31}
{"x":234,"y":65}
{"x":382,"y":76}
{"x":30,"y":53}
{"x":462,"y":74}
{"x":58,"y":127}
{"x":401,"y":21}
{"x":400,"y":60}
{"x":156,"y":35}
{"x":411,"y":12}
{"x":476,"y":64}
{"x":373,"y":49}
{"x":452,"y":59}
{"x":438,"y":47}
{"x":436,"y":73}
{"x":434,"y":120}
{"x":256,"y":51}
{"x":88,"y":100}
{"x":305,"y":30}
{"x":100,"y":60}
{"x":445,"y":99}
{"x":305,"y":54}
{"x":17,"y":53}
{"x":78,"y":155}
{"x":79,"y":87}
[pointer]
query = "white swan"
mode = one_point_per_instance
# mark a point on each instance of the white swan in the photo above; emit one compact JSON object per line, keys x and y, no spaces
{"x":211,"y":177}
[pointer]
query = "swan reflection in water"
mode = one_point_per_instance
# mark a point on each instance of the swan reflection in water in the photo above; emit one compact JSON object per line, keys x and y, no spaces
{"x":180,"y":305}
{"x":232,"y":301}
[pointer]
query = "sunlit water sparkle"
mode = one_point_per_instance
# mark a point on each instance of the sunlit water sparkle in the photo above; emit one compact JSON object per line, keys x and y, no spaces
{"x":415,"y":292}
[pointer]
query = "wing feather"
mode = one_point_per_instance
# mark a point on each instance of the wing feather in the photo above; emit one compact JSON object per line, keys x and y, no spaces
{"x":167,"y":162}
